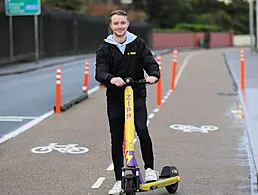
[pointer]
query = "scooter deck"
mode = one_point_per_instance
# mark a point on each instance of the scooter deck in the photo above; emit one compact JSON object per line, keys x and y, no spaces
{"x":159,"y":184}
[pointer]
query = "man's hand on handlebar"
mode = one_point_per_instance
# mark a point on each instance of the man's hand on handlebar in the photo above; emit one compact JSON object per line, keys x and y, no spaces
{"x":117,"y":81}
{"x":151,"y":79}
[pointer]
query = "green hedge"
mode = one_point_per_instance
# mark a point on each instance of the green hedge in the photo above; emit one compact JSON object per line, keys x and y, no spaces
{"x":187,"y":27}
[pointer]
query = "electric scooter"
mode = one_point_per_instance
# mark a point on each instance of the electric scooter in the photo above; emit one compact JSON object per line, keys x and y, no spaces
{"x":133,"y":182}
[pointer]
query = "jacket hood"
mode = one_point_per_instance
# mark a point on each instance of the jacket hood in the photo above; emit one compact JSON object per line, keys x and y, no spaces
{"x":130,"y":37}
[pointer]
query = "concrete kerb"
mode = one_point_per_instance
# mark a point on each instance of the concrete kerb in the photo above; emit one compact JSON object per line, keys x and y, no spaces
{"x":230,"y":73}
{"x":245,"y":114}
{"x":39,"y":67}
{"x":67,"y":105}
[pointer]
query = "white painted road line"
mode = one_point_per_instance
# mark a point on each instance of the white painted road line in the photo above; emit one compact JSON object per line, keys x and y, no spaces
{"x":25,"y":127}
{"x":98,"y":183}
{"x":111,"y":167}
{"x":10,"y":120}
{"x":151,"y":115}
{"x":16,"y":118}
{"x":184,"y":65}
{"x":19,"y":117}
{"x":92,"y":90}
{"x":156,"y":110}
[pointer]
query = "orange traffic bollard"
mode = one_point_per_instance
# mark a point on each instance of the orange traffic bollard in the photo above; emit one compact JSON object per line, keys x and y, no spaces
{"x":173,"y":78}
{"x":86,"y":75}
{"x":242,"y":69}
{"x":159,"y":84}
{"x":58,"y":90}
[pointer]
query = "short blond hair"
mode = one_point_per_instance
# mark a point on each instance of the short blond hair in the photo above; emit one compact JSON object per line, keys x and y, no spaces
{"x":119,"y":13}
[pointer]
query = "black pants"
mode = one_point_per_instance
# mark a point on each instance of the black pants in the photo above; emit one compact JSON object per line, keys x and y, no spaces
{"x":116,"y":122}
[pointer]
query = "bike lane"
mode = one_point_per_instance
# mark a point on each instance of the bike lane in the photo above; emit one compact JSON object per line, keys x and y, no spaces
{"x":25,"y":172}
{"x":209,"y":162}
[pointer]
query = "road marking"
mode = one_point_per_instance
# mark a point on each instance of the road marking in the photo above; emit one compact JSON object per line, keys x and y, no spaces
{"x":98,"y":183}
{"x":35,"y":121}
{"x":151,"y":115}
{"x":10,"y":120}
{"x":156,"y":110}
{"x":111,"y":167}
{"x":16,"y":118}
{"x":184,"y":65}
{"x":94,"y":89}
{"x":69,"y":148}
{"x":191,"y":128}
{"x":26,"y":127}
{"x":178,"y":76}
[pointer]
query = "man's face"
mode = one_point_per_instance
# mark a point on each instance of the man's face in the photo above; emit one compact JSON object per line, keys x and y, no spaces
{"x":119,"y":25}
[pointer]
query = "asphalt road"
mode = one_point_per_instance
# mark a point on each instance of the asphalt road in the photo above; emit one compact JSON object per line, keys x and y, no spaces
{"x":32,"y":94}
{"x":210,"y":162}
{"x":28,"y":96}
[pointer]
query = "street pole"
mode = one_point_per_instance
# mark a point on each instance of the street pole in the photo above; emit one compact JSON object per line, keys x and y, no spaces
{"x":36,"y":37}
{"x":257,"y":25}
{"x":109,"y":3}
{"x":11,"y":36}
{"x":251,"y":20}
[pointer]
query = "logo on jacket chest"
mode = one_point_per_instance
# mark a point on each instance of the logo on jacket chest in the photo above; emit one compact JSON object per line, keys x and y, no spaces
{"x":131,"y":53}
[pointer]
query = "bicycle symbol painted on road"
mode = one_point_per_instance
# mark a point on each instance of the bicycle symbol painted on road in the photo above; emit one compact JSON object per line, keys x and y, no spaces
{"x":69,"y":148}
{"x":191,"y":128}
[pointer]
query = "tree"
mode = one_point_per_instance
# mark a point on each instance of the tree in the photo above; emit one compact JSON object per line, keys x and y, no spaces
{"x":69,"y":5}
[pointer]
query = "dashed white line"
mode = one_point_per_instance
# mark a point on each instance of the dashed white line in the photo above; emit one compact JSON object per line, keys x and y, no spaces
{"x":98,"y":183}
{"x":111,"y":167}
{"x":156,"y":110}
{"x":151,"y":115}
{"x":92,"y":90}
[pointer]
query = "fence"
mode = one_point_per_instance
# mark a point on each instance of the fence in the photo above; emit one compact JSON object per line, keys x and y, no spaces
{"x":60,"y":33}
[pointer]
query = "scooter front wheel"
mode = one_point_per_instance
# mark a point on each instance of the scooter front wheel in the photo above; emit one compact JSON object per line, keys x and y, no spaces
{"x":173,"y":187}
{"x":129,"y":186}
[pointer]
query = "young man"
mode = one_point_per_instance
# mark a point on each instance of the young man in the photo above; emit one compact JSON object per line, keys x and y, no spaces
{"x":121,"y":55}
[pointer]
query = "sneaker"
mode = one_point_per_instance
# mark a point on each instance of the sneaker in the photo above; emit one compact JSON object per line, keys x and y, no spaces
{"x":150,"y":175}
{"x":117,"y":189}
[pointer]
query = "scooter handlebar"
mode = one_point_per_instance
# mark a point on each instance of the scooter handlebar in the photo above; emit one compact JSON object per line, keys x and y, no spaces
{"x":130,"y":81}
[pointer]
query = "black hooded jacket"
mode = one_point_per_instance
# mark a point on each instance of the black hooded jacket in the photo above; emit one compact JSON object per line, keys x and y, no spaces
{"x":111,"y":62}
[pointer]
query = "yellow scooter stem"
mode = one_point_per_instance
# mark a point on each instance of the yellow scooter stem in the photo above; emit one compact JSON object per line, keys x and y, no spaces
{"x":129,"y":125}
